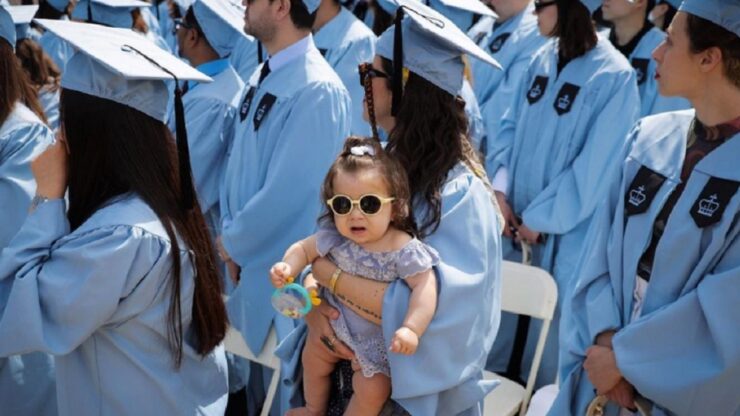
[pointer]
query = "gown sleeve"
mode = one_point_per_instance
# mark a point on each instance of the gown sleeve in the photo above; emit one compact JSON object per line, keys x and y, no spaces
{"x":57,"y":289}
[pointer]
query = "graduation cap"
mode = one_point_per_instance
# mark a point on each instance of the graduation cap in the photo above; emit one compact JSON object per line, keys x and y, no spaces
{"x":183,"y":5}
{"x":222,"y":22}
{"x":724,"y":13}
{"x":113,"y":13}
{"x":7,"y":27}
{"x":59,"y":5}
{"x":450,"y":8}
{"x":429,"y":45}
{"x":674,"y":3}
{"x":123,"y":66}
{"x":22,"y":16}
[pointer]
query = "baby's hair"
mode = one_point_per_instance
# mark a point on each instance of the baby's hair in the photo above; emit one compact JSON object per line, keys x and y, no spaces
{"x":361,"y":154}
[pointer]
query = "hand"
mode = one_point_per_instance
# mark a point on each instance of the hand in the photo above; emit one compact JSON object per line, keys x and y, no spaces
{"x":601,"y":368}
{"x":280,"y":274}
{"x":50,"y":170}
{"x":510,"y":222}
{"x":322,"y":269}
{"x":529,"y":236}
{"x":604,"y":339}
{"x":623,"y":394}
{"x":234,"y":271}
{"x":405,"y":341}
{"x":319,"y":327}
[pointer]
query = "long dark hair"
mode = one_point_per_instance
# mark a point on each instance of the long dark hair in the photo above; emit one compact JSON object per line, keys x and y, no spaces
{"x":575,"y":30}
{"x":114,"y":150}
{"x":14,"y":85}
{"x":389,"y":168}
{"x":430,"y":137}
{"x":39,"y":67}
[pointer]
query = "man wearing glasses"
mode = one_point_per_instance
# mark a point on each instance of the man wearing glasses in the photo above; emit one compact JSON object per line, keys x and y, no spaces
{"x":292,"y":118}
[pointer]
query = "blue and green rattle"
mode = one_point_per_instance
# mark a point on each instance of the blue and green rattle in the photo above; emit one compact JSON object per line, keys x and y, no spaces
{"x":293,"y":300}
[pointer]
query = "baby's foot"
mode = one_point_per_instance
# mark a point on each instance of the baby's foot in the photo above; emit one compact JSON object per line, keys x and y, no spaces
{"x":301,"y":411}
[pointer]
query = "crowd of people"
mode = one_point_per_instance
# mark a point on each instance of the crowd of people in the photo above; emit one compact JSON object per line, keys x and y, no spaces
{"x":165,"y":167}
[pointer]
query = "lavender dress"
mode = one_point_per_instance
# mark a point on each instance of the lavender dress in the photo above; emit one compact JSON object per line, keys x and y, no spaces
{"x":362,"y":336}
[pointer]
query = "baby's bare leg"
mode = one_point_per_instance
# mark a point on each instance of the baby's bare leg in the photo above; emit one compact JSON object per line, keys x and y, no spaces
{"x":370,"y":395}
{"x":317,"y":367}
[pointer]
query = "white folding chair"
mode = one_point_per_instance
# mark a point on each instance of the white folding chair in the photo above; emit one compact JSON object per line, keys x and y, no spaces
{"x":531,"y":291}
{"x":235,"y":344}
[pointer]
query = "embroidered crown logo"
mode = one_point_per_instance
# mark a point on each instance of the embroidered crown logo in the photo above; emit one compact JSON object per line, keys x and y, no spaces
{"x":707,"y":207}
{"x":640,"y":75}
{"x":497,"y":45}
{"x":637,"y":196}
{"x":535,"y":92}
{"x":564,"y":102}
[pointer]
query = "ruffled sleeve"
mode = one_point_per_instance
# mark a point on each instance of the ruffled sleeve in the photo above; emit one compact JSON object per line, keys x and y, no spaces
{"x":415,"y":258}
{"x":327,"y":237}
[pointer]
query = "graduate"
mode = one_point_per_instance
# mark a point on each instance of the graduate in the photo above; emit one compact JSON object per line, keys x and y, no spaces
{"x":294,"y":115}
{"x":124,"y":14}
{"x":121,"y":288}
{"x":635,"y":37}
{"x":561,"y":140}
{"x":655,"y":312}
{"x":27,"y":386}
{"x":513,"y":41}
{"x":345,"y":43}
{"x":455,"y":213}
{"x":662,"y":14}
{"x":246,"y":56}
{"x":476,"y":129}
{"x":58,"y":50}
{"x":40,"y":69}
{"x":206,"y":36}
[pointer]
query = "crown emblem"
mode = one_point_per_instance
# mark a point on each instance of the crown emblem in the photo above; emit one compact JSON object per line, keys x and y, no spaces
{"x":708,"y":206}
{"x":564,"y":102}
{"x":640,"y":74}
{"x":637,"y":196}
{"x":535,"y":92}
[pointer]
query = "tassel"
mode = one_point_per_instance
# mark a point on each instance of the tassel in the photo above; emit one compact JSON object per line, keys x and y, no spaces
{"x":259,"y":52}
{"x":397,"y":63}
{"x":183,"y":153}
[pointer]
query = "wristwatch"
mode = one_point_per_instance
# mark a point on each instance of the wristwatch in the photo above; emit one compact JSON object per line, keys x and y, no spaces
{"x":36,"y":201}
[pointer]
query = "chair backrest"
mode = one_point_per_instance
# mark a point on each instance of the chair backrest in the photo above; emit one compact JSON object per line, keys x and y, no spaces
{"x":528,"y":290}
{"x":531,"y":291}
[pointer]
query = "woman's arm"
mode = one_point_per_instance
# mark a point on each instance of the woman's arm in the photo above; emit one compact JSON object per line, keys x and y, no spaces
{"x":363,"y":296}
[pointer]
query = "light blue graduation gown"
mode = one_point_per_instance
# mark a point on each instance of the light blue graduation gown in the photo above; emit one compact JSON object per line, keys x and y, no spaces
{"x":211,"y":117}
{"x":682,"y":352}
{"x":290,"y":129}
{"x":444,"y":377}
{"x":58,"y":50}
{"x":49,"y":100}
{"x":461,"y":18}
{"x":27,"y":385}
{"x":561,"y":141}
{"x":643,"y":63}
{"x":244,"y":57}
{"x":98,"y":299}
{"x":345,"y":43}
{"x":513,"y":43}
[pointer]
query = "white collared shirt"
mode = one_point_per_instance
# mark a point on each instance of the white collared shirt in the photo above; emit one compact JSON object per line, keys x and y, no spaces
{"x":293,"y":51}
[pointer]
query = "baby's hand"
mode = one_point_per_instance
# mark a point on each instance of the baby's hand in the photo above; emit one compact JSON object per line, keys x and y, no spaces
{"x":280,"y":274}
{"x":404,"y":341}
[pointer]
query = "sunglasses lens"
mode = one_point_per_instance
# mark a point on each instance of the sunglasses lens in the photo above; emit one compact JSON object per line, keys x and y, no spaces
{"x":370,"y":204}
{"x":341,"y":205}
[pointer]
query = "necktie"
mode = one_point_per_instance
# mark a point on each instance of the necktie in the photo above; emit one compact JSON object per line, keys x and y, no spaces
{"x":264,"y":72}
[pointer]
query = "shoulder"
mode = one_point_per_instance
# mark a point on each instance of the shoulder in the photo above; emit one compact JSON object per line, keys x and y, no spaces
{"x":661,"y":137}
{"x":607,"y":59}
{"x":357,"y":31}
{"x":225,"y":89}
{"x":23,"y":121}
{"x":128,"y":215}
{"x":399,"y":239}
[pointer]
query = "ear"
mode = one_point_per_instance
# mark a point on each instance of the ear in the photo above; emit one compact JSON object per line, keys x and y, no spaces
{"x":659,"y":10}
{"x":283,"y":9}
{"x":710,"y":59}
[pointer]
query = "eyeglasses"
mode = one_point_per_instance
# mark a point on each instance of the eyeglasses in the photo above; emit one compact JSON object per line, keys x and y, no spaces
{"x":366,"y":70}
{"x":369,"y":204}
{"x":539,"y":5}
{"x":178,"y":23}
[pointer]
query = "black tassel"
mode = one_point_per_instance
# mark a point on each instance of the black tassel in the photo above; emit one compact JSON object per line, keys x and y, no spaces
{"x":183,"y":153}
{"x":397,"y":63}
{"x":259,"y":52}
{"x":89,"y":12}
